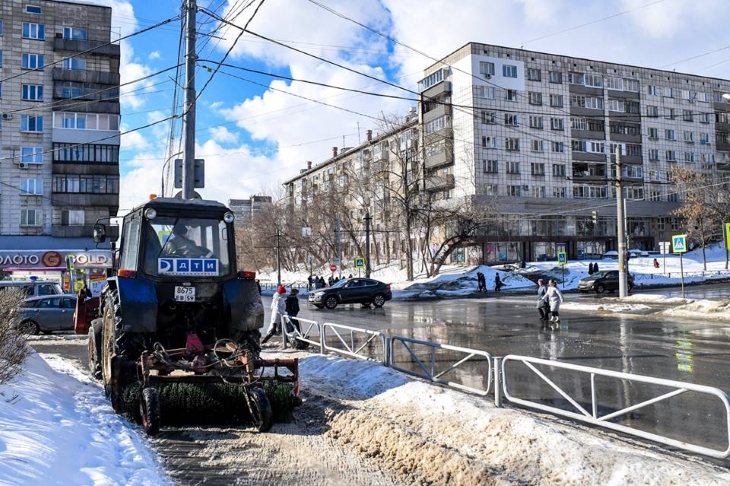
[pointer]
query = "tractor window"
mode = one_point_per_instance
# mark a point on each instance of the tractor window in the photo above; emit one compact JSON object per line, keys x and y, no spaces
{"x":130,"y":244}
{"x":186,"y":246}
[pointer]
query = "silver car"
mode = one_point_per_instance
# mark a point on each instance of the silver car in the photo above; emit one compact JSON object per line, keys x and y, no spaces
{"x":46,"y":314}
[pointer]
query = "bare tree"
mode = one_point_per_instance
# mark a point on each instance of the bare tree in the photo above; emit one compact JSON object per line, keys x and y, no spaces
{"x":705,"y":206}
{"x":13,"y":348}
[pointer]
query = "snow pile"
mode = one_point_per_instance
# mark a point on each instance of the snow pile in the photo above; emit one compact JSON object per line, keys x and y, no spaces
{"x":57,"y":428}
{"x":431,"y":435}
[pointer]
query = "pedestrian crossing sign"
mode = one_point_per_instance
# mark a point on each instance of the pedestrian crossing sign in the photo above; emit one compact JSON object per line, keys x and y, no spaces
{"x":359,"y":262}
{"x":562,"y":258}
{"x":679,"y":243}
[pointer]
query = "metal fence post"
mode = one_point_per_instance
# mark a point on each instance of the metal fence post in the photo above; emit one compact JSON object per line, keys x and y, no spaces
{"x":498,"y":382}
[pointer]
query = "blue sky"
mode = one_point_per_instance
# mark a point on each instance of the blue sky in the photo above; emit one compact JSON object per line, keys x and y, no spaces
{"x":256,"y":131}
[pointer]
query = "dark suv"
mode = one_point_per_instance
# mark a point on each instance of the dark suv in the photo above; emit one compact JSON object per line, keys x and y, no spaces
{"x":601,"y":281}
{"x":364,"y":291}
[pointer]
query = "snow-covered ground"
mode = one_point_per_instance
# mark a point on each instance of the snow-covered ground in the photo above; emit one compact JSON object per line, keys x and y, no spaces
{"x":56,"y":427}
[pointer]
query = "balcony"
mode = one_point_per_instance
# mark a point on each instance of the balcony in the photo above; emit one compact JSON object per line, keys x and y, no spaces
{"x":64,"y":200}
{"x":86,"y":76}
{"x":95,"y":48}
{"x":440,"y":183}
{"x":437,"y":90}
{"x":83,"y":231}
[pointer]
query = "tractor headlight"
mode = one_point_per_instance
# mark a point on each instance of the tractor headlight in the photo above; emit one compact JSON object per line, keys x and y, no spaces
{"x":150,"y":213}
{"x":228,"y":217}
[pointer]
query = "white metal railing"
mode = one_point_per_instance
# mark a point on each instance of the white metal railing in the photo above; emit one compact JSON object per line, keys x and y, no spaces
{"x":347,"y":344}
{"x":309,"y":332}
{"x":428,"y":371}
{"x":579,"y":413}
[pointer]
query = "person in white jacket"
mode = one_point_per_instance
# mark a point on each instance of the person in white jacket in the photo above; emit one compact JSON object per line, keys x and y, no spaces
{"x":555,"y":297}
{"x":278,"y":309}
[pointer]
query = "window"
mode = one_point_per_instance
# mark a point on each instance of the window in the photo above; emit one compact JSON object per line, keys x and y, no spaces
{"x":591,"y":102}
{"x":31,"y":155}
{"x":101,"y":121}
{"x":1,"y":27}
{"x":31,"y":187}
{"x":513,"y":167}
{"x":593,"y":80}
{"x":511,"y":95}
{"x":491,"y":189}
{"x":685,"y":94}
{"x":653,"y":154}
{"x":689,"y":137}
{"x":514,"y":191}
{"x":704,"y":138}
{"x":671,"y":156}
{"x":31,"y":123}
{"x":487,"y":92}
{"x":670,"y":134}
{"x":596,"y":147}
{"x":33,"y":31}
{"x":489,"y":142}
{"x":669,"y":113}
{"x":689,"y":157}
{"x":576,"y":78}
{"x":631,"y":85}
{"x":486,"y":69}
{"x":74,"y":152}
{"x":538,"y":191}
{"x":633,"y":150}
{"x":654,"y":90}
{"x":491,"y":166}
{"x":661,"y":224}
{"x":73,"y":217}
{"x":512,"y":144}
{"x":534,"y":98}
{"x":578,"y":123}
{"x":556,"y":101}
{"x":536,"y":122}
{"x":705,"y":117}
{"x":687,"y":115}
{"x":616,"y":84}
{"x":556,"y":77}
{"x":558,"y":147}
{"x":32,"y":61}
{"x":533,"y":74}
{"x":1,"y":59}
{"x":85,"y":184}
{"x":653,"y":133}
{"x":33,"y":9}
{"x":431,"y":80}
{"x":74,"y":63}
{"x":558,"y":170}
{"x":702,"y":97}
{"x":615,"y":105}
{"x":652,"y":111}
{"x":488,"y":117}
{"x":559,"y":192}
{"x":512,"y":120}
{"x":578,"y":145}
{"x":74,"y":33}
{"x":537,"y":168}
{"x":509,"y":71}
{"x":556,"y":124}
{"x":538,"y":145}
{"x":30,"y":217}
{"x":32,"y":92}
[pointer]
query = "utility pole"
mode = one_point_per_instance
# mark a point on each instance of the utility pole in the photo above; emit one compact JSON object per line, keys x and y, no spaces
{"x":278,"y":257}
{"x":339,"y":249}
{"x":188,"y":182}
{"x":367,"y":244}
{"x":620,"y":231}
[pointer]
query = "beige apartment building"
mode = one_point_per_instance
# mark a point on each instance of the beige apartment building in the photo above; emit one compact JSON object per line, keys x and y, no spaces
{"x":536,"y":133}
{"x":59,"y":132}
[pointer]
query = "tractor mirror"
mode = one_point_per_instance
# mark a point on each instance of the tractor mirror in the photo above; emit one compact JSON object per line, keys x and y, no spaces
{"x":99,"y":233}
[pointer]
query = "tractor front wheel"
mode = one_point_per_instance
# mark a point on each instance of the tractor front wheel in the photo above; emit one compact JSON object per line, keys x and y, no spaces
{"x":149,"y":410}
{"x":260,"y":408}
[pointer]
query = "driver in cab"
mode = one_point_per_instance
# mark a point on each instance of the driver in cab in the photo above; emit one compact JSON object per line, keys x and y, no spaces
{"x":180,"y":245}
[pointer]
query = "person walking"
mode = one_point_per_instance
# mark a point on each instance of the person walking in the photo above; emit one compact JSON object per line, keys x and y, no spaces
{"x":291,"y":305}
{"x":543,"y":306}
{"x":497,"y":283}
{"x":278,"y":308}
{"x":590,"y":268}
{"x":481,"y":282}
{"x":555,"y":297}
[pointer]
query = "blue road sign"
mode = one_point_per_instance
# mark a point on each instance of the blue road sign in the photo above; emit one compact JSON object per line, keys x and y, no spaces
{"x":679,"y":243}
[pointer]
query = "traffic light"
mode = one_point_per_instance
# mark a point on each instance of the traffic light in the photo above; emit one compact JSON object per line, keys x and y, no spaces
{"x":595,"y":217}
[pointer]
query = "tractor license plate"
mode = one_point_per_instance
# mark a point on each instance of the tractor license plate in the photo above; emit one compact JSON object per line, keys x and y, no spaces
{"x":184,"y":294}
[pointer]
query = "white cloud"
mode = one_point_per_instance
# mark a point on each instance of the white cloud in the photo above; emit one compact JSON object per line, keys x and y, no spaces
{"x":154,"y":55}
{"x":223,"y":135}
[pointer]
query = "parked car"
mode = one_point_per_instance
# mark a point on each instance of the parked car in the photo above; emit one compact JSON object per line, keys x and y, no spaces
{"x":364,"y":291}
{"x":33,"y":288}
{"x":602,"y":281}
{"x":45,"y":314}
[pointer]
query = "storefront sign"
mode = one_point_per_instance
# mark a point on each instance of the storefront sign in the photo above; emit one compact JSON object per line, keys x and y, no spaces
{"x":53,"y":259}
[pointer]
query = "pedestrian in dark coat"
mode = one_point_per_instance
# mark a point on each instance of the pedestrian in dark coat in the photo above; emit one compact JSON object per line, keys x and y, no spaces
{"x":481,"y":282}
{"x":543,"y":305}
{"x":595,"y":267}
{"x":497,"y":283}
{"x":590,"y":268}
{"x":291,"y":306}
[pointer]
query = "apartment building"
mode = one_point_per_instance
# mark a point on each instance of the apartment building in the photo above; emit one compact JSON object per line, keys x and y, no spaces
{"x":59,"y":132}
{"x":537,"y":133}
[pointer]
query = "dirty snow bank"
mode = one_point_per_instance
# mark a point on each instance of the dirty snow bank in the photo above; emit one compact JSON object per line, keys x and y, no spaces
{"x":430,"y":435}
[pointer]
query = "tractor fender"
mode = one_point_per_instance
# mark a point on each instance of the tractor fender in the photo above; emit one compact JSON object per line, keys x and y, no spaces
{"x":244,"y":301}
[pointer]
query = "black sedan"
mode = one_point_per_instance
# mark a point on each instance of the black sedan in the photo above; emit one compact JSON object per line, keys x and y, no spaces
{"x":600,"y":282}
{"x":45,"y":314}
{"x":364,"y":291}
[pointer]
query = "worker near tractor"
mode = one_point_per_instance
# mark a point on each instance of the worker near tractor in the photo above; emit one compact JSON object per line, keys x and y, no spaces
{"x":278,"y":309}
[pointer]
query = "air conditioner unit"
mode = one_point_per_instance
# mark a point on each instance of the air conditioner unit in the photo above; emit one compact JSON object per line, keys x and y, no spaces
{"x":23,"y":165}
{"x":7,"y":116}
{"x":488,"y":76}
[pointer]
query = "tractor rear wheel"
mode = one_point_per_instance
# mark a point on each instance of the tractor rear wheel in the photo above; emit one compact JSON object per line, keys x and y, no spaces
{"x":95,"y":349}
{"x":110,"y":372}
{"x":149,"y":410}
{"x":260,"y":408}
